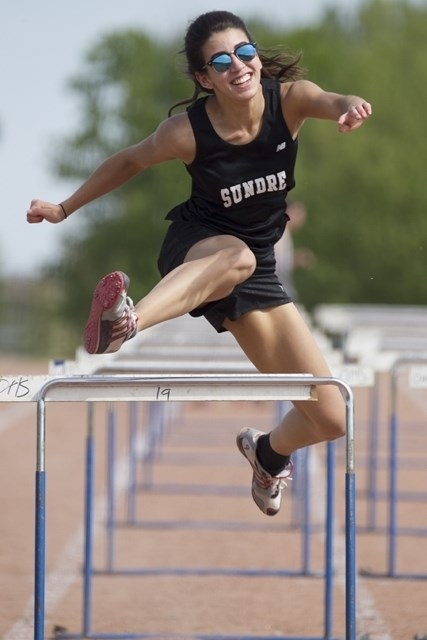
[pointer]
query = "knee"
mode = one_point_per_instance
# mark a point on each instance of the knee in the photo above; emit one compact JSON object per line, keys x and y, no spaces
{"x":327,"y":417}
{"x":334,"y":428}
{"x":240,"y":261}
{"x":330,"y":421}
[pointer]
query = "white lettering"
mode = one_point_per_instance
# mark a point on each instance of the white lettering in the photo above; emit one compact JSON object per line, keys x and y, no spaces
{"x":271,"y":182}
{"x":260,"y":185}
{"x":236,"y":192}
{"x":249,"y":189}
{"x":281,"y":176}
{"x":225,"y":195}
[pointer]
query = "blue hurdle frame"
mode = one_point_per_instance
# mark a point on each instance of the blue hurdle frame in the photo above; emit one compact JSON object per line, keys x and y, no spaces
{"x":82,"y":388}
{"x":299,"y":492}
{"x":393,"y":530}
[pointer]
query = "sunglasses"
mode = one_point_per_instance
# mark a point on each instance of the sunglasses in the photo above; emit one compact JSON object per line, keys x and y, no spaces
{"x":221,"y":61}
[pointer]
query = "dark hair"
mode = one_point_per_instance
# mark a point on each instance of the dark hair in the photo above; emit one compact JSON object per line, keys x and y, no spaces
{"x":279,"y":65}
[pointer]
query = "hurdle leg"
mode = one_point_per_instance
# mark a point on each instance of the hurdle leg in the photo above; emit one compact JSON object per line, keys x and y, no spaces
{"x":88,"y":541}
{"x":329,"y":541}
{"x":132,"y":457}
{"x":372,"y":473}
{"x":306,"y":524}
{"x":111,"y":492}
{"x":350,"y":521}
{"x":40,"y":526}
{"x":392,"y":495}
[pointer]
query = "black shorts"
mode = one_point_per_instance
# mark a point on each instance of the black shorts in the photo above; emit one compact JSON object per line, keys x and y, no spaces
{"x":260,"y":291}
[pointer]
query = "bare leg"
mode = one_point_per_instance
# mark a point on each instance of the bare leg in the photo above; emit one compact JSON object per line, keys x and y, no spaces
{"x":211,"y":270}
{"x":277,"y":340}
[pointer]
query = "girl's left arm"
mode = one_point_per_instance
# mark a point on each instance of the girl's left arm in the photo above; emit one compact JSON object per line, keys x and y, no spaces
{"x":305,"y":99}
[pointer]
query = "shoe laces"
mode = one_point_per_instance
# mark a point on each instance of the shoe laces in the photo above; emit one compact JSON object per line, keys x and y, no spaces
{"x":275,"y":483}
{"x":125,"y":323}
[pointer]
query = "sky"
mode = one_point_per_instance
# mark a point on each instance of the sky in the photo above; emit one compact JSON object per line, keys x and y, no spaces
{"x":42,"y":45}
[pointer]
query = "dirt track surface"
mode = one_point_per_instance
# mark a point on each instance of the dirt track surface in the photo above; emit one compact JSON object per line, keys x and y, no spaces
{"x":186,"y":522}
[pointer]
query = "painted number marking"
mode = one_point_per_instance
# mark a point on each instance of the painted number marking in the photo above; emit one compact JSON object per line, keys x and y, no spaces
{"x":163,"y":394}
{"x":14,"y":387}
{"x":418,"y":377}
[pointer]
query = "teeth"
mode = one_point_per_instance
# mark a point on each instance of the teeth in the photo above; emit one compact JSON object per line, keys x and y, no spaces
{"x":243,"y":79}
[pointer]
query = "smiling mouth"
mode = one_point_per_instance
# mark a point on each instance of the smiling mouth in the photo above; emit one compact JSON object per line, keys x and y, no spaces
{"x":242,"y":79}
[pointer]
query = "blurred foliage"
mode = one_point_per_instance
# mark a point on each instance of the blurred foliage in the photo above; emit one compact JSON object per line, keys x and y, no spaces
{"x":365,"y":192}
{"x":28,"y":319}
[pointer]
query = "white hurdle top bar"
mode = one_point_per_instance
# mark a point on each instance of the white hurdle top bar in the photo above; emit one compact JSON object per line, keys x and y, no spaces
{"x":154,"y":387}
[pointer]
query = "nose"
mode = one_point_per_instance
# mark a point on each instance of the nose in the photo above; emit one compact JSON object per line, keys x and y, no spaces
{"x":236,"y":62}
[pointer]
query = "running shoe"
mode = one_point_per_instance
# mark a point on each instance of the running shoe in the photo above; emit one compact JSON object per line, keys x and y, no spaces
{"x":266,"y":489}
{"x":112,"y":318}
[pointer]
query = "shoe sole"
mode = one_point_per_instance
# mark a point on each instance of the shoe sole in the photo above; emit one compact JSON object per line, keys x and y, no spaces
{"x":107,"y":292}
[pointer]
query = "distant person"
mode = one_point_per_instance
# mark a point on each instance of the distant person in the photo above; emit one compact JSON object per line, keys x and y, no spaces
{"x":239,"y":145}
{"x":288,"y":257}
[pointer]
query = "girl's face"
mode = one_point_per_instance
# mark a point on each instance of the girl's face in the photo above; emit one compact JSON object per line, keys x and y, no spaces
{"x":242,"y":79}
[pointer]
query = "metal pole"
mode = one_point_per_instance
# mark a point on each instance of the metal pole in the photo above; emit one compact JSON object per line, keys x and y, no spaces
{"x":132,"y":481}
{"x":88,"y":542}
{"x":40,"y":525}
{"x":306,"y":528}
{"x":372,"y":472}
{"x":392,"y":470}
{"x":350,"y":517}
{"x":329,"y":542}
{"x":111,"y":490}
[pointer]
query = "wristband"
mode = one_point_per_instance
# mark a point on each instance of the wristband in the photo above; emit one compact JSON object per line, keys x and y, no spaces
{"x":63,"y":210}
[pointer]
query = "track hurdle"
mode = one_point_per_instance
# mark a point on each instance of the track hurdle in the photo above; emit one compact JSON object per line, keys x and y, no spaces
{"x":187,"y":353}
{"x":392,"y":495}
{"x":360,"y":376}
{"x":418,"y":379}
{"x":380,"y":336}
{"x":299,"y":490}
{"x":183,"y":388}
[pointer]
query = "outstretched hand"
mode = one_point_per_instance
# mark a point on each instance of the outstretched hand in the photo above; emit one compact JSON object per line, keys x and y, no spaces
{"x":40,"y":210}
{"x":354,"y":117}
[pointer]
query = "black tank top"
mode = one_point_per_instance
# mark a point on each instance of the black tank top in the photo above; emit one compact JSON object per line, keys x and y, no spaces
{"x":241,"y":189}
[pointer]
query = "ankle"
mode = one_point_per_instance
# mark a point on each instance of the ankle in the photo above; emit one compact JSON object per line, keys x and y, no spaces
{"x":271,"y":461}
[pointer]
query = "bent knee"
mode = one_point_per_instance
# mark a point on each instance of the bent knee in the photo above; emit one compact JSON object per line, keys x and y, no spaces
{"x":330,"y":421}
{"x":333,"y":429}
{"x":331,"y":416}
{"x":239,"y":260}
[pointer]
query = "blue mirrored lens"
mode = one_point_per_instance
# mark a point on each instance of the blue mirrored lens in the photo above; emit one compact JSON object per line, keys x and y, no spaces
{"x":222,"y":62}
{"x":246,"y":52}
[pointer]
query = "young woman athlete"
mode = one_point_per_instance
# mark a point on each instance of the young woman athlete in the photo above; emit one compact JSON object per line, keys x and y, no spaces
{"x":239,"y":145}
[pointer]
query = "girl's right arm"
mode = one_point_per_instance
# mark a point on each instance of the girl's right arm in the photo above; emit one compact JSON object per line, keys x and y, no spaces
{"x":172,"y":139}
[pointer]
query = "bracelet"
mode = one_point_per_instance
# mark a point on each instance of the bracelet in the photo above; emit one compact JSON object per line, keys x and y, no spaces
{"x":63,"y":210}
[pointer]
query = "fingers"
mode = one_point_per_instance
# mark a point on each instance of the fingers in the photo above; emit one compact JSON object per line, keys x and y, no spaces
{"x":40,"y":210}
{"x":34,"y":213}
{"x":33,"y":219}
{"x":354,"y":117}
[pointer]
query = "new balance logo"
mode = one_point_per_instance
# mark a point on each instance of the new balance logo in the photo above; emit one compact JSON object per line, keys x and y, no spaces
{"x":281,"y":146}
